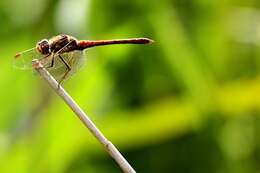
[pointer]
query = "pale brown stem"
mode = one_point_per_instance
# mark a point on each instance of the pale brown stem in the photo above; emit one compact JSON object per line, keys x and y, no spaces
{"x":109,"y":147}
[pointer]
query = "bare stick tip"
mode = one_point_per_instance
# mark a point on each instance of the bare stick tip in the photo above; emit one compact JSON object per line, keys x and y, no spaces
{"x":147,"y":40}
{"x":36,"y":64}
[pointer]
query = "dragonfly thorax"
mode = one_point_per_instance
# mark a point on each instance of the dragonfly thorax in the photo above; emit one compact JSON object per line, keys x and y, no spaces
{"x":44,"y":47}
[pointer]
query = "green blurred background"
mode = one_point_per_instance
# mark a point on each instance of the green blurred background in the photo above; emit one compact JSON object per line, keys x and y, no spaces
{"x":187,"y":103}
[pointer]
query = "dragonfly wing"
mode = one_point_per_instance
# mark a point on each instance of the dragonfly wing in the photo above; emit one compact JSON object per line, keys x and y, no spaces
{"x":74,"y":60}
{"x":77,"y":61}
{"x":24,"y":59}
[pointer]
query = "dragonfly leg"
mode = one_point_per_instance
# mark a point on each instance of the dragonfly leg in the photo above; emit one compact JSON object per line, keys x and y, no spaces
{"x":52,"y":61}
{"x":44,"y":57}
{"x":58,"y":53}
{"x":68,"y":70}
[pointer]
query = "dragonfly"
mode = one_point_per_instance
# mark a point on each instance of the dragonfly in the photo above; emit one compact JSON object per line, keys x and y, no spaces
{"x":63,"y":55}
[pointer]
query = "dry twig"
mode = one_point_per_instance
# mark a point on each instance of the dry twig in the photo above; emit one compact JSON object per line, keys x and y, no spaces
{"x":109,"y":147}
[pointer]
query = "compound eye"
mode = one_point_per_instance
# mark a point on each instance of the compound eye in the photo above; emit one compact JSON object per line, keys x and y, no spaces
{"x":43,"y":46}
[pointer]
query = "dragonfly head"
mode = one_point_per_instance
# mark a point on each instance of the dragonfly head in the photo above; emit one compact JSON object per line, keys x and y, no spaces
{"x":43,"y":47}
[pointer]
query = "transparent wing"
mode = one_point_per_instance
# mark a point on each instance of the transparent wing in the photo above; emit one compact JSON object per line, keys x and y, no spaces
{"x":75,"y":60}
{"x":24,"y":59}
